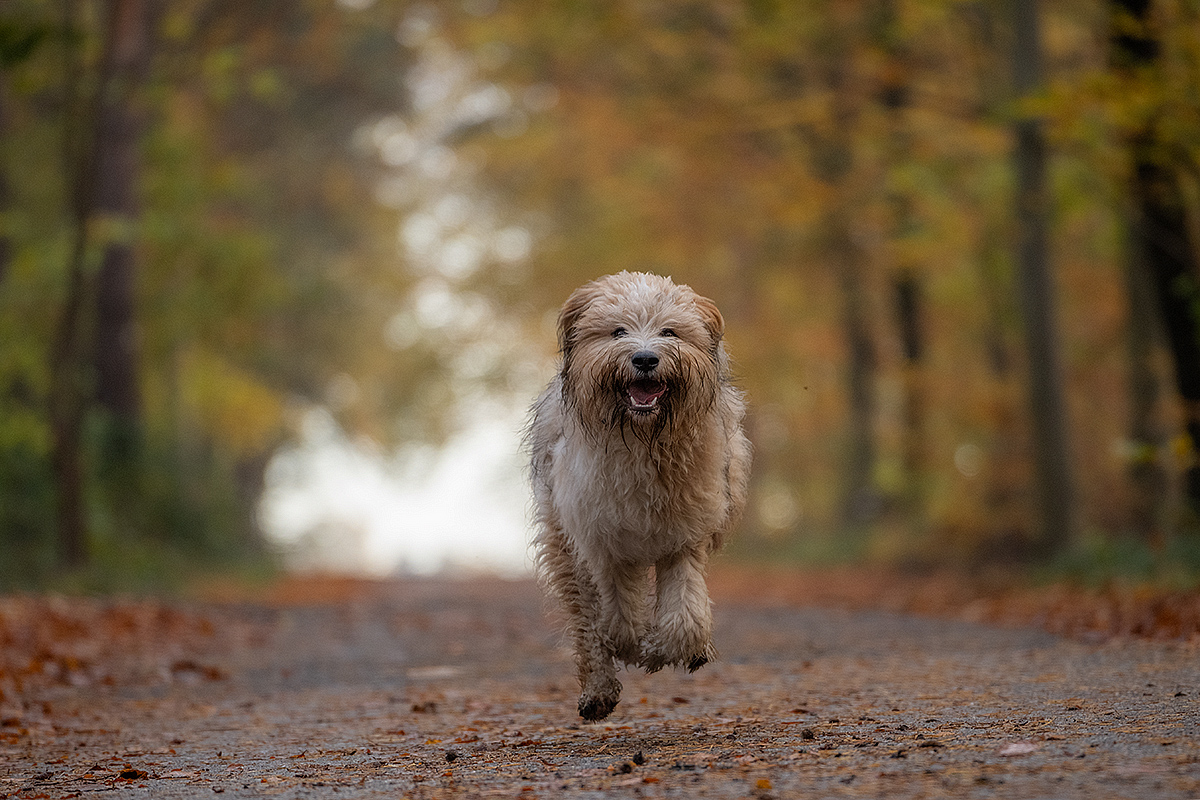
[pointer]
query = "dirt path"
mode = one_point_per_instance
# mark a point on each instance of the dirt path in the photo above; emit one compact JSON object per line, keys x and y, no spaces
{"x":430,"y":689}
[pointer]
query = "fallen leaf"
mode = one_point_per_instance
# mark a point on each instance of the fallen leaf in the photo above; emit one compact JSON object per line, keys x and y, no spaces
{"x":189,"y":669}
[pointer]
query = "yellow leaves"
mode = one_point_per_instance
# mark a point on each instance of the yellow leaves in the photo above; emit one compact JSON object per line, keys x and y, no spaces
{"x":1183,"y":450}
{"x":230,"y":403}
{"x":266,"y":84}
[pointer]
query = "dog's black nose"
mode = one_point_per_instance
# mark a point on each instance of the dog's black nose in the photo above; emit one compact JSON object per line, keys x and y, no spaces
{"x":644,"y":360}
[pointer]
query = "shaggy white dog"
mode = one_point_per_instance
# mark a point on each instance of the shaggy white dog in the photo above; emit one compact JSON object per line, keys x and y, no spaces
{"x":638,"y":461}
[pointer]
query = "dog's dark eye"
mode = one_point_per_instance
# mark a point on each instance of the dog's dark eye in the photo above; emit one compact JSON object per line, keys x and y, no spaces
{"x":619,"y":332}
{"x":668,"y":332}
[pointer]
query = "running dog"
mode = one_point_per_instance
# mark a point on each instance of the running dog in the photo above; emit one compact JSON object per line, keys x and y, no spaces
{"x":638,"y":460}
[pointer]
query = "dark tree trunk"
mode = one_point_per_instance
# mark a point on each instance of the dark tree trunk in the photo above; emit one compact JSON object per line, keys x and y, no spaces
{"x":67,"y":389}
{"x":860,"y":502}
{"x":1053,"y":486}
{"x":98,"y":140}
{"x":1161,"y":236}
{"x":894,"y":96}
{"x":1162,"y":252}
{"x":1147,"y":471}
{"x":907,"y":297}
{"x":67,"y":380}
{"x":115,"y":353}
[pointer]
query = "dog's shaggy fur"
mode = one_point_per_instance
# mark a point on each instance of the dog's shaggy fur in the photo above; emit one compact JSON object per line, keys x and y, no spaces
{"x":638,"y":461}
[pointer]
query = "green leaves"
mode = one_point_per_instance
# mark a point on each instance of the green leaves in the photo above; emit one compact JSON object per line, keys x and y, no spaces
{"x":19,"y":39}
{"x":263,"y":266}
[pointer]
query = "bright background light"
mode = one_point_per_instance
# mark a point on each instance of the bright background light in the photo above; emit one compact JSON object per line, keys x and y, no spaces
{"x":338,"y":504}
{"x":333,"y":504}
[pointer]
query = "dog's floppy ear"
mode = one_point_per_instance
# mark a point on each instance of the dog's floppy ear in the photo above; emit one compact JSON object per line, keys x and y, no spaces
{"x":713,"y":320}
{"x":568,"y":317}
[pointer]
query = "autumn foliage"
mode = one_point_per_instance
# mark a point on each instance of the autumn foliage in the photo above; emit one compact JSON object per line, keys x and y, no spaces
{"x":370,"y":210}
{"x":842,"y":179}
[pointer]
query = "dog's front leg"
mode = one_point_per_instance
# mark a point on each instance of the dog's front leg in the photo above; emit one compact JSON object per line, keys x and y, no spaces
{"x":599,"y":689}
{"x":567,"y":577}
{"x":682,"y":633}
{"x":622,"y":588}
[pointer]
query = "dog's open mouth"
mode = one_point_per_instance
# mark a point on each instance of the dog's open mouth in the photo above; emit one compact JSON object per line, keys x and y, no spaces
{"x":643,"y":394}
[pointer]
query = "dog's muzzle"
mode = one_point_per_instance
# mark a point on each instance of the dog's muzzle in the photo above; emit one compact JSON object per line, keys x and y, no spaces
{"x":642,"y":395}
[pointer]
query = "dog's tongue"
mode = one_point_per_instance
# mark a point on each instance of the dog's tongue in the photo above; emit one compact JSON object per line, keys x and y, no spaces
{"x":646,"y":392}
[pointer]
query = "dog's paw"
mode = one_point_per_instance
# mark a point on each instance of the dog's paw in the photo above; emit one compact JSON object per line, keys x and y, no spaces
{"x":653,"y":653}
{"x":600,"y":694}
{"x":655,"y":657}
{"x":594,"y":709}
{"x":699,"y":660}
{"x":652,"y":662}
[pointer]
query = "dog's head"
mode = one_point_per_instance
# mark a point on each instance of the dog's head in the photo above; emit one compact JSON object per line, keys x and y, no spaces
{"x":640,"y":350}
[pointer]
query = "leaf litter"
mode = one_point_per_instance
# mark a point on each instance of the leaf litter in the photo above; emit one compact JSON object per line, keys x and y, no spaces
{"x":444,"y":688}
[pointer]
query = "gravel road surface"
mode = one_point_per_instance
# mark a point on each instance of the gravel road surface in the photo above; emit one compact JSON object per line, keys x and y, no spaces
{"x":448,"y":688}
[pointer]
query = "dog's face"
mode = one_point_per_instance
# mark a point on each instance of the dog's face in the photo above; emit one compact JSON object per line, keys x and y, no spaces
{"x":639,"y":350}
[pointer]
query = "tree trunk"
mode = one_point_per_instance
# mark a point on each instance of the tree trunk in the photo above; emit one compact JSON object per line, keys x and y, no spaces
{"x":1053,"y":490}
{"x":1147,"y":471}
{"x":1162,"y":250}
{"x":860,"y":503}
{"x":115,"y":353}
{"x":67,"y":380}
{"x":66,"y":400}
{"x":1161,"y":237}
{"x":894,"y":96}
{"x":98,"y":140}
{"x":906,"y":290}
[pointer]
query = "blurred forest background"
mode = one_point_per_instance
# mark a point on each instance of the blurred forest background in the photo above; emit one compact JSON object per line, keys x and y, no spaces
{"x":955,"y":243}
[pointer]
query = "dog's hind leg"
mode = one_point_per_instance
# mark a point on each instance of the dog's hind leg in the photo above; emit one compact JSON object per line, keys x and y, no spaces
{"x":569,"y":582}
{"x":682,"y":632}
